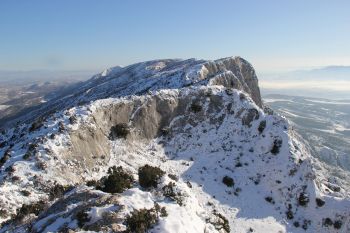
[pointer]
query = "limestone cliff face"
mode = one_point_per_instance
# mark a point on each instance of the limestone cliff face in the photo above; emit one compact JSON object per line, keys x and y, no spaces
{"x":148,"y":115}
{"x":236,"y":73}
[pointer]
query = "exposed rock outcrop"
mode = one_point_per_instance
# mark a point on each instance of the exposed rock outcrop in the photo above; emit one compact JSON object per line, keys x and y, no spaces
{"x":224,"y":164}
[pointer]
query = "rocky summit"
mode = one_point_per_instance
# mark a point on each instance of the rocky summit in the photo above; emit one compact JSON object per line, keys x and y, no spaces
{"x":165,"y":146}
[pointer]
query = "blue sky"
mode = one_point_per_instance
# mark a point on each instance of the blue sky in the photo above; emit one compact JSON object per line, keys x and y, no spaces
{"x":92,"y":35}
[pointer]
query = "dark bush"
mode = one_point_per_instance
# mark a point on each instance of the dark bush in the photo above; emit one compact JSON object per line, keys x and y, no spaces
{"x":237,"y":191}
{"x":4,"y":158}
{"x":36,"y":125}
{"x":163,"y":212}
{"x":25,"y":193}
{"x":10,"y":169}
{"x":3,"y":214}
{"x":41,"y":165}
{"x":320,"y":202}
{"x":117,"y":180}
{"x":61,"y":127}
{"x":208,"y":93}
{"x":289,"y":214}
{"x":149,"y":176}
{"x":333,"y":187}
{"x":262,"y":126}
{"x":173,"y":177}
{"x":119,"y":131}
{"x":189,"y":184}
{"x":306,"y":224}
{"x":27,"y":155}
{"x":3,"y":144}
{"x":251,"y":115}
{"x":32,"y":146}
{"x":73,"y":120}
{"x":337,"y":224}
{"x":268,"y":110}
{"x":170,"y":192}
{"x":196,"y":107}
{"x":270,"y":199}
{"x":15,"y":178}
{"x":276,"y":146}
{"x":160,"y":210}
{"x":228,"y":181}
{"x":48,"y":151}
{"x":93,"y":183}
{"x":296,"y":224}
{"x":327,"y":222}
{"x":82,"y":218}
{"x":140,"y":221}
{"x":230,"y":109}
{"x":165,"y":131}
{"x":25,"y":210}
{"x":220,"y":223}
{"x":292,"y":171}
{"x":229,"y":91}
{"x":303,"y":199}
{"x":225,"y":224}
{"x":58,"y":191}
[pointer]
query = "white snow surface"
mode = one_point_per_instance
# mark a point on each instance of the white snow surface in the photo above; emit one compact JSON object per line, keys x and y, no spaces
{"x":200,"y":154}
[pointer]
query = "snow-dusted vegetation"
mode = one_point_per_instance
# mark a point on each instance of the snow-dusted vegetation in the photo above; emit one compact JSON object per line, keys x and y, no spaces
{"x":165,"y":146}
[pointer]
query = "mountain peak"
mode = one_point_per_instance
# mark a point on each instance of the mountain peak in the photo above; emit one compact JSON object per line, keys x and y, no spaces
{"x":139,"y":78}
{"x":164,"y":146}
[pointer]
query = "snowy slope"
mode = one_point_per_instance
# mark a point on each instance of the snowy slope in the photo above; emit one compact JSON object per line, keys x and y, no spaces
{"x":198,"y":121}
{"x":139,"y":78}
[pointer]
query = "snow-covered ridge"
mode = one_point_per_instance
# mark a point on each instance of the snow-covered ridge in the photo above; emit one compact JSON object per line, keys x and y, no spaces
{"x":139,"y":78}
{"x":234,"y":167}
